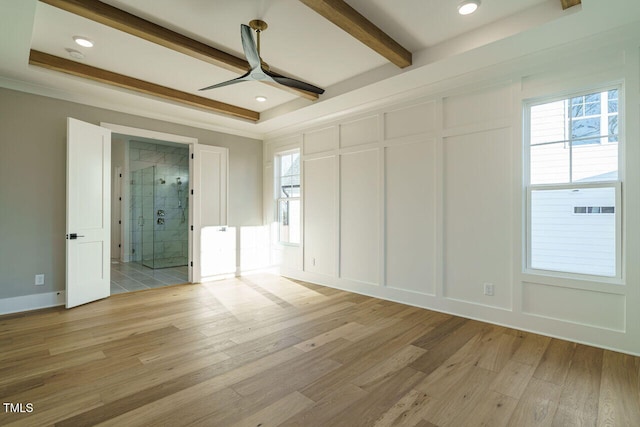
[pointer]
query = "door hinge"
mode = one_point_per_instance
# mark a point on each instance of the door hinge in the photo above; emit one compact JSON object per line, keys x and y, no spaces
{"x":119,"y":245}
{"x":119,"y":222}
{"x":192,"y":192}
{"x":120,"y":198}
{"x":191,"y":263}
{"x":192,"y":228}
{"x":192,"y":155}
{"x":120,"y":175}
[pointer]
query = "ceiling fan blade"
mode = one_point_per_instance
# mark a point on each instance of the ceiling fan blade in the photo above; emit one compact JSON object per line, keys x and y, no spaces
{"x":242,"y":78}
{"x":249,"y":47}
{"x":288,"y":81}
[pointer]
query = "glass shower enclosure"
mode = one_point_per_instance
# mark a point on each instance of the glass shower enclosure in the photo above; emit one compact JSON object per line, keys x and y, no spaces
{"x":160,"y":217}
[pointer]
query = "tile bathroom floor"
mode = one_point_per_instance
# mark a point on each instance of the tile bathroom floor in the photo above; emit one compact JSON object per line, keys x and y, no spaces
{"x":133,"y":276}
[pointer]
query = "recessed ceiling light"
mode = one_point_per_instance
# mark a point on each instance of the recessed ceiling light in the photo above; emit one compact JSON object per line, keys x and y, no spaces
{"x":83,"y":41}
{"x":261,"y":98}
{"x":75,"y":54}
{"x":468,"y":7}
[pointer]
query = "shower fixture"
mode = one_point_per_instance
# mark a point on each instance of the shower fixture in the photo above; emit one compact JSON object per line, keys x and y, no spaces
{"x":162,"y":181}
{"x":179,"y":183}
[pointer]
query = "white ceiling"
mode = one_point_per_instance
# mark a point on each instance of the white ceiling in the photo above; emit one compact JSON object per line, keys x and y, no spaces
{"x":298,"y":43}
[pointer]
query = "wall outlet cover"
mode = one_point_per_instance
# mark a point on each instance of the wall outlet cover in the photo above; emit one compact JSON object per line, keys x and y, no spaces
{"x":488,"y":289}
{"x":39,"y":279}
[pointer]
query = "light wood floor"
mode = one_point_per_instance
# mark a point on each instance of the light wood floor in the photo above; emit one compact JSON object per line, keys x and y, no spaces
{"x":266,"y":351}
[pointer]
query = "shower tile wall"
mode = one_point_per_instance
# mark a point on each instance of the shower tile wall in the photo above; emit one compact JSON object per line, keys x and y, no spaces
{"x":160,"y":188}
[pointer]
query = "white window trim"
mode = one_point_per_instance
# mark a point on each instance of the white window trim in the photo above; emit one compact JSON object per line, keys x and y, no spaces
{"x":276,"y":193}
{"x":531,"y":274}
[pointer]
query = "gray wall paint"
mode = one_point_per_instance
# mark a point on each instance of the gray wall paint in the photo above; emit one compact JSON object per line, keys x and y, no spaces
{"x":32,"y":183}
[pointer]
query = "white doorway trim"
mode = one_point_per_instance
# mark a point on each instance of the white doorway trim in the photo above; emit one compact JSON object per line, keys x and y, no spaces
{"x":151,"y":134}
{"x":161,"y":136}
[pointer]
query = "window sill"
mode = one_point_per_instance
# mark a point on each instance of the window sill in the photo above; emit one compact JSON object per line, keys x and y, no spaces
{"x":571,"y":280}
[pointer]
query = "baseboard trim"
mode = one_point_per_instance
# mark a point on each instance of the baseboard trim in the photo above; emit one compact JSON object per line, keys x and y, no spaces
{"x":31,"y":302}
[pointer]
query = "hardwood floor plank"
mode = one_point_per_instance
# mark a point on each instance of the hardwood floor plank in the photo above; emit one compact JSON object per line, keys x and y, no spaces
{"x":497,"y":348}
{"x":619,"y":403}
{"x":491,"y":409}
{"x":578,"y":405}
{"x":162,"y":410}
{"x":555,"y":362}
{"x":445,"y":410}
{"x":327,"y":408}
{"x":537,"y":406}
{"x":407,"y":411}
{"x":512,"y":379}
{"x":437,"y":335}
{"x":531,"y":348}
{"x":46,"y":366}
{"x":329,"y":384}
{"x":294,"y":374}
{"x":275,"y":414}
{"x":276,"y":327}
{"x":447,"y":345}
{"x":388,"y":367}
{"x":367,"y":410}
{"x":339,"y":332}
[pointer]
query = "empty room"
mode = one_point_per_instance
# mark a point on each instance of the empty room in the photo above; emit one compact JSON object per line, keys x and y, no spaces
{"x":320,"y":213}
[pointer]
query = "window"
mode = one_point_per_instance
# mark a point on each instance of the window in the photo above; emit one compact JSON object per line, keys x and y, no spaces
{"x":287,"y":185}
{"x":573,"y":189}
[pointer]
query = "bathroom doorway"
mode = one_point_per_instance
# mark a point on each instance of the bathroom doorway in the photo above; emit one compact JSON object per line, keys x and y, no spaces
{"x":150,"y":210}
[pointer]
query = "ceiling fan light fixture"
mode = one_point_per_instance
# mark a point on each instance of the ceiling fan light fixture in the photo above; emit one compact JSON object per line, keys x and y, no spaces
{"x":83,"y":41}
{"x":261,"y":98}
{"x":467,"y":7}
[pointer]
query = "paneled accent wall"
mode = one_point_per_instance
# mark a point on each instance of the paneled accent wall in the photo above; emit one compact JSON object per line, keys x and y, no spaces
{"x":477,"y":216}
{"x":423,"y":201}
{"x":360,"y":216}
{"x":320,"y":219}
{"x":410,"y":216}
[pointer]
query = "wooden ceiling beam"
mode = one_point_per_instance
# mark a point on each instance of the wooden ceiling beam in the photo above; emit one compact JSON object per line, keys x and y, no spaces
{"x":351,"y":21}
{"x":124,"y":21}
{"x":67,"y":66}
{"x":566,"y":4}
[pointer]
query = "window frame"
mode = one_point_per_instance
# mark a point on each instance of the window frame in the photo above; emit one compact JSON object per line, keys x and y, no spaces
{"x":617,"y":185}
{"x":278,"y":198}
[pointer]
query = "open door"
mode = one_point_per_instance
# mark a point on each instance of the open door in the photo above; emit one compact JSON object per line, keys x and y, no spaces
{"x":88,"y":212}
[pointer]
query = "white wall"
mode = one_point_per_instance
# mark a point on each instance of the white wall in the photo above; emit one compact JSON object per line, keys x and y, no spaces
{"x":422,"y":200}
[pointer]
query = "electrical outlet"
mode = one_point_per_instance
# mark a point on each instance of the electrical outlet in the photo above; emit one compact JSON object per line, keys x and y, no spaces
{"x":39,"y":279}
{"x":488,"y":289}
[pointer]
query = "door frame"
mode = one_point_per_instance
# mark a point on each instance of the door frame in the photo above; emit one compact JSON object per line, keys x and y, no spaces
{"x":194,"y":252}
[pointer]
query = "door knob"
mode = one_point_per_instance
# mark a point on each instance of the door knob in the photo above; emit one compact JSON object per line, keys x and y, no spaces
{"x":73,"y":236}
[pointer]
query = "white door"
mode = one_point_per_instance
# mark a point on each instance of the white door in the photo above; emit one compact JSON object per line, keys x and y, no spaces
{"x":214,"y":242}
{"x":88,"y":212}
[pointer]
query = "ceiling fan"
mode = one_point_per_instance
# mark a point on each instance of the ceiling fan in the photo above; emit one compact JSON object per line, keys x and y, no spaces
{"x":260,"y":69}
